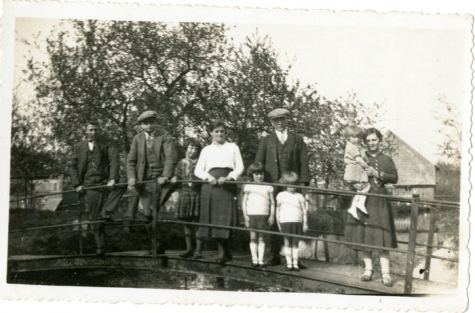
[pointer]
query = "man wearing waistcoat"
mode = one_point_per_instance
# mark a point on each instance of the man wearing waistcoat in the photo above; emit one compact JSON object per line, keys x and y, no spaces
{"x":95,"y":162}
{"x":282,"y":151}
{"x":151,"y":156}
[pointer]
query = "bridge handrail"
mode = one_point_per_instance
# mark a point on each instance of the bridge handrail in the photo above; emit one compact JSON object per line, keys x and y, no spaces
{"x":268,"y":232}
{"x":411,"y":250}
{"x":314,"y":189}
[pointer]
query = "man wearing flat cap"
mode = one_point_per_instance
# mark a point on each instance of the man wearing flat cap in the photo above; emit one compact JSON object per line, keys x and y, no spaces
{"x":151,"y":156}
{"x":279,"y":152}
{"x":95,"y":162}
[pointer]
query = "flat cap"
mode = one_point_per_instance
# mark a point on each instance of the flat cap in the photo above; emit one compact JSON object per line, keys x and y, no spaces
{"x":278,"y":113}
{"x":147,"y":114}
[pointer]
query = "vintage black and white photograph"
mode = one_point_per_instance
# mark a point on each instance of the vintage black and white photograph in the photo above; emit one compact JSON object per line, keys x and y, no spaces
{"x":219,"y":150}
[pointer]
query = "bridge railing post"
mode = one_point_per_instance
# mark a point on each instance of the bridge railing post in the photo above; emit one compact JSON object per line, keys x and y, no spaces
{"x":412,"y":244}
{"x":82,"y":209}
{"x":430,"y":239}
{"x":154,"y":217}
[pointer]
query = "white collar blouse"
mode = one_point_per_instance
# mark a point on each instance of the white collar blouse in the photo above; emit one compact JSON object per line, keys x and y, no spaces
{"x":215,"y":155}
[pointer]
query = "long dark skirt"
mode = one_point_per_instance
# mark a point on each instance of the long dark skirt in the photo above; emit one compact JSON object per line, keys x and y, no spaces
{"x":377,"y":228}
{"x":218,"y":206}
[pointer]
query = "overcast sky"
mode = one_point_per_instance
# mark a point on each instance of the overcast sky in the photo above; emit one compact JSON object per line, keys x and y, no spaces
{"x":407,"y":65}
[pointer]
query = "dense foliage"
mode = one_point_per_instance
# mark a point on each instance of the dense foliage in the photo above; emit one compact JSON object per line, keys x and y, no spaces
{"x":188,"y":72}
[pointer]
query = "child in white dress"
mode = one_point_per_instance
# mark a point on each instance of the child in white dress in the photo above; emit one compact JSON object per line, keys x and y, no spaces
{"x":356,"y":162}
{"x":291,"y":218}
{"x":258,"y":208}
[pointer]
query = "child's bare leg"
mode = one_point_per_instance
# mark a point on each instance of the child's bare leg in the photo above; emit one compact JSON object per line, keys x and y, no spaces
{"x":295,"y":254}
{"x":288,"y":251}
{"x":253,"y":247}
{"x":261,"y":248}
{"x":360,"y":205}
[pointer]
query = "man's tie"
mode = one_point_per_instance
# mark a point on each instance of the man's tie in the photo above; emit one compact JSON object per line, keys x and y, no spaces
{"x":149,"y":142}
{"x":281,"y":138}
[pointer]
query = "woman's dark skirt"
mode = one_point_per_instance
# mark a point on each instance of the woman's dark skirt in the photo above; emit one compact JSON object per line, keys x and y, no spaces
{"x":377,"y":228}
{"x":218,"y":206}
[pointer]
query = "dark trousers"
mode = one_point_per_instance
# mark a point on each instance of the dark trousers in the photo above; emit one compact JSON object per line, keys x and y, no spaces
{"x":146,"y":199}
{"x":132,"y":208}
{"x":98,"y":200}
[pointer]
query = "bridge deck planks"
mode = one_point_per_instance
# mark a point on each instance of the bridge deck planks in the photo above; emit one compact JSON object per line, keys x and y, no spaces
{"x":338,"y":274}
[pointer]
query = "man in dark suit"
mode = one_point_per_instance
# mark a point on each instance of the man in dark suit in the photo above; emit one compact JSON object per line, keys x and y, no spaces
{"x":95,"y":162}
{"x":151,"y":156}
{"x":282,"y":151}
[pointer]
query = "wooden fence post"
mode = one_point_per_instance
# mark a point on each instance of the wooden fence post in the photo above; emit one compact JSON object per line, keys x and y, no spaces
{"x":154,"y":223}
{"x":82,"y":209}
{"x":412,"y":244}
{"x":430,"y":239}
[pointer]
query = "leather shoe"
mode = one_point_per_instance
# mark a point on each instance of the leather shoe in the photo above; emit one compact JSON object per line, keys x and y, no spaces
{"x":274,"y":261}
{"x":187,"y":254}
{"x":221,"y":261}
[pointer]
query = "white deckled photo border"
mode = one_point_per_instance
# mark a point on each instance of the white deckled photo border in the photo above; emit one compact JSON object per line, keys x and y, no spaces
{"x":413,"y":14}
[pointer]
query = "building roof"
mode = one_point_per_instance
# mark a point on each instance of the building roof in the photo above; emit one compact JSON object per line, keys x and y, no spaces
{"x":413,"y":168}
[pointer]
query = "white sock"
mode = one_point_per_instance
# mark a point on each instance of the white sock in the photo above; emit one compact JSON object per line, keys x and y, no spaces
{"x":288,"y":255}
{"x":261,"y":249}
{"x":384,"y":260}
{"x":295,"y":256}
{"x":253,"y":247}
{"x":368,"y":262}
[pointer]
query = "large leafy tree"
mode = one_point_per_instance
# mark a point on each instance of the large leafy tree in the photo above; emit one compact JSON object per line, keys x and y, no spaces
{"x":190,"y":74}
{"x":113,"y":70}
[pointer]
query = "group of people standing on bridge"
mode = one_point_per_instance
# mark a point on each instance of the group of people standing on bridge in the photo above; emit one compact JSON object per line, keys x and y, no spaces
{"x":281,"y":157}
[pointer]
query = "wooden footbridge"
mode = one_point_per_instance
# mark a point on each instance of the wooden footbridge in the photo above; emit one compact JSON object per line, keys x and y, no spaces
{"x":143,"y":269}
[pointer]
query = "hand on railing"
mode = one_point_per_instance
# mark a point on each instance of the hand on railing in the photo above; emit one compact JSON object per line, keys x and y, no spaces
{"x":211,"y":179}
{"x":222,"y":180}
{"x":80,"y":189}
{"x":111,"y":184}
{"x":162,"y":180}
{"x":131,"y":185}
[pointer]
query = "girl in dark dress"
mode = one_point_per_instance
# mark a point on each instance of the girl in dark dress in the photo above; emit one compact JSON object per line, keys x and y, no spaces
{"x":219,"y":162}
{"x":377,"y":227}
{"x":188,"y":208}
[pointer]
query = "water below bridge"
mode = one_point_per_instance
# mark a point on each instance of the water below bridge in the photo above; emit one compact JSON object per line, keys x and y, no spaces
{"x":137,"y":269}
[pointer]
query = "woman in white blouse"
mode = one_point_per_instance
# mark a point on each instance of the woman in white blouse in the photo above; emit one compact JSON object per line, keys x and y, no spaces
{"x":219,"y":162}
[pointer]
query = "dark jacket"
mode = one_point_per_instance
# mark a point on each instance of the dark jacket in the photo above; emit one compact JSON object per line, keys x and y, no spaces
{"x":106,"y":157}
{"x":164,"y":149}
{"x":297,"y":157}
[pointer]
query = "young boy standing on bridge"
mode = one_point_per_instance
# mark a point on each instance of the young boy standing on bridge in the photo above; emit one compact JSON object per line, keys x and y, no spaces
{"x":258,"y":208}
{"x":152,"y":156}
